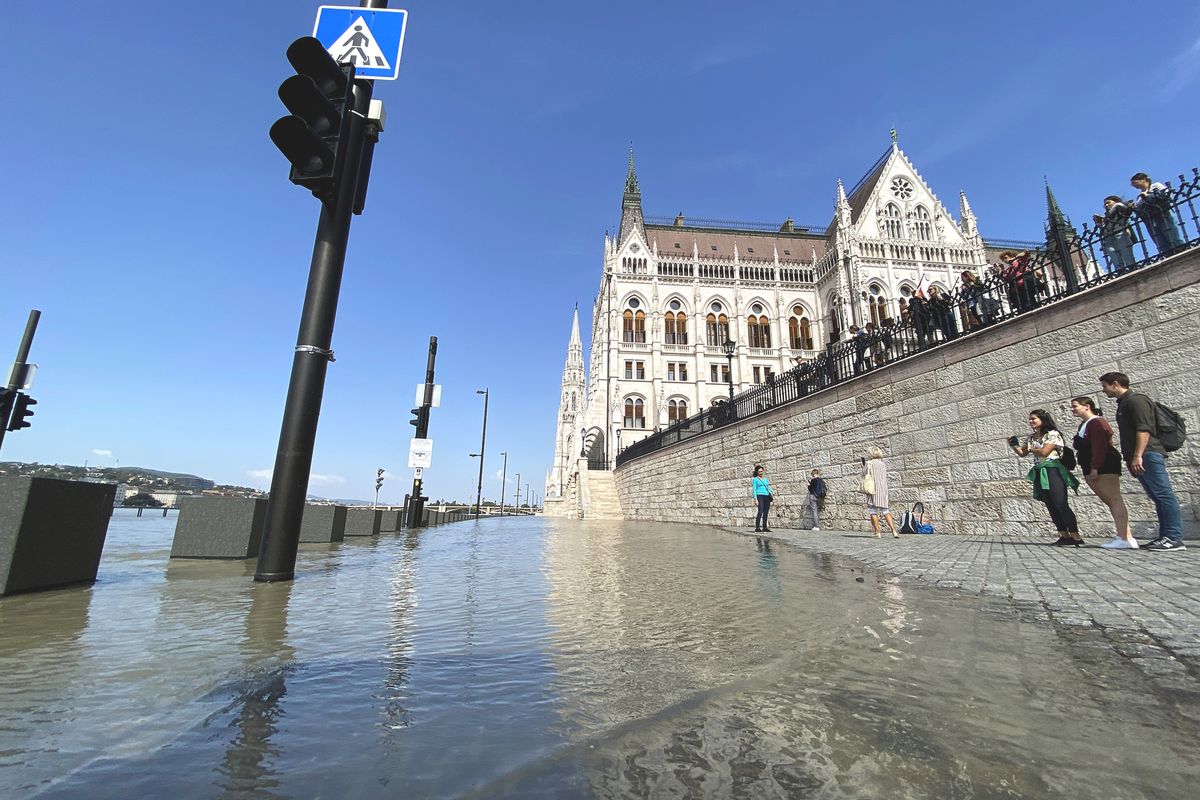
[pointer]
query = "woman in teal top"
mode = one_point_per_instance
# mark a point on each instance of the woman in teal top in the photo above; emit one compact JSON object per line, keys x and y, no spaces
{"x":762,"y":494}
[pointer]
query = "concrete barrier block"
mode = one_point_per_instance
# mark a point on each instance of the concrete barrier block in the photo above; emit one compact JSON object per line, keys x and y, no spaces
{"x":393,"y":520}
{"x":219,"y":527}
{"x":51,"y":532}
{"x":363,"y":521}
{"x":323,"y":524}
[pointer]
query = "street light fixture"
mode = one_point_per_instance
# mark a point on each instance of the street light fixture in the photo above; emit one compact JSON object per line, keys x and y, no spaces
{"x":729,"y":346}
{"x":482,"y":449}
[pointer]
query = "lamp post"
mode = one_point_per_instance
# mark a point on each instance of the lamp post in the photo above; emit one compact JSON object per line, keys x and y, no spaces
{"x":618,"y":441}
{"x":517,"y":500}
{"x":482,"y":444}
{"x":503,"y":475}
{"x":729,"y":347}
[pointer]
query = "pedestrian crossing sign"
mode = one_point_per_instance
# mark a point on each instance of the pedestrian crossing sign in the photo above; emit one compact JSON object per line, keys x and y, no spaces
{"x":368,"y":38}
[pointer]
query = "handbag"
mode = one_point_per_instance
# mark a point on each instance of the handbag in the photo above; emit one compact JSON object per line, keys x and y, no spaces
{"x":868,"y":483}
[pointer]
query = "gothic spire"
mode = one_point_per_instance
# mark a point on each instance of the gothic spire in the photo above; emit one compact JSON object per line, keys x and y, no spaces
{"x":632,"y":191}
{"x":631,"y":205}
{"x":1055,"y":217}
{"x":575,"y":340}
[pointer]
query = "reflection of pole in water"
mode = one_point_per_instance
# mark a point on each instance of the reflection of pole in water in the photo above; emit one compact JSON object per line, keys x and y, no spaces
{"x":269,"y":659}
{"x":401,"y":599}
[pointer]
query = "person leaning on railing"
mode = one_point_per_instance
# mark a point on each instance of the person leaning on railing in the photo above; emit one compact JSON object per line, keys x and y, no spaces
{"x":1153,"y":206}
{"x":1020,"y":279}
{"x":1116,"y":236}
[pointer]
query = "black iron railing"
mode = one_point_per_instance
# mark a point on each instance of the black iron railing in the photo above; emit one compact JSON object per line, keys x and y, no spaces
{"x":1069,"y":263}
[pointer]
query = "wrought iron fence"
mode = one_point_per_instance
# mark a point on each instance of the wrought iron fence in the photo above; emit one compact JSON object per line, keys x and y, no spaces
{"x":1069,"y":263}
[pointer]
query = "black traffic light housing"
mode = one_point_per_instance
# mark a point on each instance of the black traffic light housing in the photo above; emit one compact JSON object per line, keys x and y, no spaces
{"x":320,"y":97}
{"x":420,"y":418}
{"x":21,"y":411}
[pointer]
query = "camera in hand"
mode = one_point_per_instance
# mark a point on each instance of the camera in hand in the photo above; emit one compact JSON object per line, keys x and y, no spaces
{"x":1013,"y":441}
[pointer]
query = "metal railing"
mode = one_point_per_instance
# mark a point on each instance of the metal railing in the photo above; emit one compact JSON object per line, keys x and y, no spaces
{"x":1067,"y":265}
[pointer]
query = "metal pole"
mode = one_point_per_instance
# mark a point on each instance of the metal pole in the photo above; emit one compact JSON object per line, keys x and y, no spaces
{"x":416,"y":507}
{"x":16,"y":378}
{"x":503,"y":475}
{"x":482,"y":444}
{"x":517,"y":501}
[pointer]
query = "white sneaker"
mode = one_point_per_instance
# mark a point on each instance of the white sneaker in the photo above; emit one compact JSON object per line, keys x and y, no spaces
{"x":816,"y":529}
{"x":1121,"y":544}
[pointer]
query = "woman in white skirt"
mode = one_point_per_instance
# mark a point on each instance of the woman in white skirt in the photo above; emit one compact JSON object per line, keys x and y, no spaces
{"x":877,"y":501}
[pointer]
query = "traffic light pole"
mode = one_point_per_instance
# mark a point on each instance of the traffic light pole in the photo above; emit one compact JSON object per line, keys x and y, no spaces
{"x":416,"y":503}
{"x":16,"y":378}
{"x":298,"y":434}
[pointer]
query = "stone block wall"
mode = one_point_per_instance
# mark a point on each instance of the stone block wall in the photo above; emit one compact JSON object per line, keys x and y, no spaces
{"x":942,"y":417}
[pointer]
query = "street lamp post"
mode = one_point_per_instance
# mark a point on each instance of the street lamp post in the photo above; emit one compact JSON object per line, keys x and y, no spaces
{"x":729,"y":347}
{"x":482,"y":444}
{"x":517,"y":501}
{"x":503,"y":475}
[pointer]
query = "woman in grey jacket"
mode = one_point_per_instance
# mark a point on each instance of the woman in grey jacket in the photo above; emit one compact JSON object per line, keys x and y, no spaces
{"x":877,"y":502}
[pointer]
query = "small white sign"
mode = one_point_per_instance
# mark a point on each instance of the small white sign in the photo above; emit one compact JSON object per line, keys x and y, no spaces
{"x":417,"y":472}
{"x":437,"y":395}
{"x":420,"y":453}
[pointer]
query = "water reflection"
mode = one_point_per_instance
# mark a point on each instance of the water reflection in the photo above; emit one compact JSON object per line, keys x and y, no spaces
{"x":247,"y":769}
{"x":560,"y":659}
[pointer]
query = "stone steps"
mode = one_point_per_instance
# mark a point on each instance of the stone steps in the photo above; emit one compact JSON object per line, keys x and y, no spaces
{"x":603,"y":501}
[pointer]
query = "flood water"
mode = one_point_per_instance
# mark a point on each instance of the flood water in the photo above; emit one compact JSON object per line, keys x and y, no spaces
{"x":548,"y":658}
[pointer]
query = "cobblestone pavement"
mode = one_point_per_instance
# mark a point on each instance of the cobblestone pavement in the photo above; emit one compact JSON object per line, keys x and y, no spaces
{"x":1146,"y":604}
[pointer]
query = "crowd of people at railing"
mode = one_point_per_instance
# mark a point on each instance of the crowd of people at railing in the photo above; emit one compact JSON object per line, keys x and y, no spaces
{"x":1156,"y":221}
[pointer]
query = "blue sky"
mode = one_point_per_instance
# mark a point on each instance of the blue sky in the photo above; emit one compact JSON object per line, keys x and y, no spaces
{"x":151,"y":220}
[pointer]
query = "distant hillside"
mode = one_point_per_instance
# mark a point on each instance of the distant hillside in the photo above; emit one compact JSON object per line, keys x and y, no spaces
{"x":138,"y":476}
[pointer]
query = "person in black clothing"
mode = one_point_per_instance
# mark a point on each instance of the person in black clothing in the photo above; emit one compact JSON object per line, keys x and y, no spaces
{"x":943,"y":314}
{"x":859,"y":338}
{"x":922,"y":318}
{"x":816,"y":498}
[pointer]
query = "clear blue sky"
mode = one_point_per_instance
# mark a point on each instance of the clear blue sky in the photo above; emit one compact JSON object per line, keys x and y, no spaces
{"x":150,"y":218}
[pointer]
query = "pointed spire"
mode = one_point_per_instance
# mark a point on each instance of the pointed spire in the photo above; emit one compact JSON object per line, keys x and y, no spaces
{"x":966,"y":217}
{"x":575,"y":340}
{"x":964,"y":208}
{"x":631,"y":181}
{"x":1055,"y":214}
{"x":842,"y":206}
{"x":841,"y":193}
{"x":895,"y":139}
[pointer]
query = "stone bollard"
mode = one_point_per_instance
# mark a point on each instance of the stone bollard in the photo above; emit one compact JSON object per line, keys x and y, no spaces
{"x":51,"y":532}
{"x":219,"y":527}
{"x":363,"y":521}
{"x":323,"y":524}
{"x":393,"y":520}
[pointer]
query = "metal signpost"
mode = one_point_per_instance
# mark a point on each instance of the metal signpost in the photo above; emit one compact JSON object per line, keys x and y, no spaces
{"x":328,"y":138}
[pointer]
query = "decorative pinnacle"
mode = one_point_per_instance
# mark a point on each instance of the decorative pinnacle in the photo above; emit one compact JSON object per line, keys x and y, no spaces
{"x":895,"y":138}
{"x":631,"y":181}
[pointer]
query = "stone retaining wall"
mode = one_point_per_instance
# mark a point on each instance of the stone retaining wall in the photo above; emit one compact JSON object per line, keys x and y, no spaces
{"x":942,"y":418}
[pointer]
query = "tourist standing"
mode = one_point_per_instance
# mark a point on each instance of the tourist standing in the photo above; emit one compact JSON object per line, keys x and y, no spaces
{"x":922,"y":318}
{"x":1116,"y":237}
{"x":1146,"y":458}
{"x":859,"y":338}
{"x":878,"y":501}
{"x":1153,"y":206}
{"x":762,"y":498}
{"x":1049,"y":476}
{"x":1021,"y":280}
{"x":943,"y":314}
{"x":1100,"y":464}
{"x":816,"y":498}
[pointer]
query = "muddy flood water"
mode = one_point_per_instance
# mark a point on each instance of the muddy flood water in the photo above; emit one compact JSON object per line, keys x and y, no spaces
{"x":532,"y":658}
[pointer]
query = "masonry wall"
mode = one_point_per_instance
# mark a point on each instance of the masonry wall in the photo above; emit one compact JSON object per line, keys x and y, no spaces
{"x":942,"y":419}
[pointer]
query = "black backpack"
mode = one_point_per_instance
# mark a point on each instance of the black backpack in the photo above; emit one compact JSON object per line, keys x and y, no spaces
{"x":1067,"y":458}
{"x":1170,"y":427}
{"x":909,"y":520}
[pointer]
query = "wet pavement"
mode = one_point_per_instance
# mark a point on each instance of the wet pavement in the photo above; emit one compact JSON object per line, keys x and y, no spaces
{"x":1147,"y":604}
{"x":532,"y":658}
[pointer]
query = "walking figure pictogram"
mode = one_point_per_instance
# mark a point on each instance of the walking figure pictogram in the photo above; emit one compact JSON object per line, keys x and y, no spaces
{"x":357,"y":46}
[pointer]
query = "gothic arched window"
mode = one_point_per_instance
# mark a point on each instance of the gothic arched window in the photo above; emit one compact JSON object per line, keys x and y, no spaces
{"x":893,"y":227}
{"x":922,"y":226}
{"x":877,"y":304}
{"x":758,"y":327}
{"x":676,"y":410}
{"x":633,"y":325}
{"x":799,"y":330}
{"x":675,"y":327}
{"x":716,"y":329}
{"x":635,"y":412}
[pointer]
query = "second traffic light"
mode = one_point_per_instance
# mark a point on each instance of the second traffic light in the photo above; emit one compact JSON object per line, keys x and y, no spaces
{"x":21,"y":412}
{"x":313,"y":137}
{"x":420,"y":419}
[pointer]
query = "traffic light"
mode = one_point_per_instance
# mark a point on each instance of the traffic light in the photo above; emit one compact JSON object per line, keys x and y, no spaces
{"x":21,"y":412}
{"x":379,"y":479}
{"x":320,"y":97}
{"x":420,"y":418}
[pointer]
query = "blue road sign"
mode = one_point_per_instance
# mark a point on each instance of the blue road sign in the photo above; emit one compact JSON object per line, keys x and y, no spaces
{"x":370,"y":39}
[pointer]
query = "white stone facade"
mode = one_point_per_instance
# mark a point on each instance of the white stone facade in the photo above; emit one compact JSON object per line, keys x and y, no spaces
{"x":671,"y":294}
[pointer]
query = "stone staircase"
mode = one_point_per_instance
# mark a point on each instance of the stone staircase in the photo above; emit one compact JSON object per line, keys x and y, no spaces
{"x":601,"y":500}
